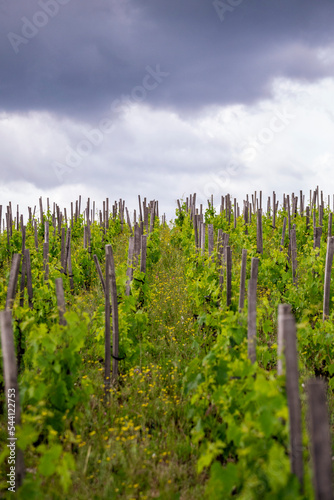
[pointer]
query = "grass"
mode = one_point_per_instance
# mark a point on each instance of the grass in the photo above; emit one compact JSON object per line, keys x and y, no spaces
{"x":139,"y":445}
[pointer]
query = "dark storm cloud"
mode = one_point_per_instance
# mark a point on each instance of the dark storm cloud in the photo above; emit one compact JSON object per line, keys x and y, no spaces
{"x":75,"y":57}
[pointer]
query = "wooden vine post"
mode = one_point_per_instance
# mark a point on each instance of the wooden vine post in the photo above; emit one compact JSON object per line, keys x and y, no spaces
{"x":137,"y":244}
{"x":107,"y":337}
{"x":22,"y":283}
{"x":228,"y":275}
{"x":99,"y":272}
{"x":252,"y":290}
{"x":320,"y":440}
{"x":67,"y":250}
{"x":46,"y":260}
{"x":288,"y":326}
{"x":13,"y":277}
{"x":70,"y":272}
{"x":274,"y":209}
{"x":283,"y":233}
{"x":328,"y":271}
{"x":143,"y":252}
{"x":246,"y":216}
{"x":114,"y":308}
{"x":330,"y":223}
{"x":220,"y":257}
{"x":202,"y":237}
{"x":26,"y":273}
{"x":29,"y":277}
{"x":293,"y":253}
{"x":195,"y":224}
{"x":307,"y":219}
{"x":12,"y":396}
{"x":60,"y":301}
{"x":210,"y":239}
{"x":317,"y":237}
{"x":283,"y":310}
{"x":259,"y":237}
{"x":35,"y":235}
{"x":242,"y":279}
{"x":129,"y":271}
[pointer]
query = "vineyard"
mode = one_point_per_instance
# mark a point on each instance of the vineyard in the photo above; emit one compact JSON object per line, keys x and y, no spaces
{"x":183,"y":360}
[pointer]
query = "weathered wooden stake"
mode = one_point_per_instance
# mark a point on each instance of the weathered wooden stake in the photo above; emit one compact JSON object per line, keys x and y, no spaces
{"x":195,"y":224}
{"x":274,"y":209}
{"x":143,"y":253}
{"x":129,"y":271}
{"x":328,"y":272}
{"x":70,"y":272}
{"x":99,"y":272}
{"x":242,"y":279}
{"x":46,"y":260}
{"x":140,"y":211}
{"x":293,"y":253}
{"x":136,"y":247}
{"x":202,"y":237}
{"x":292,"y":388}
{"x":114,"y":308}
{"x":60,"y":301}
{"x":46,"y":231}
{"x":317,"y":237}
{"x":67,"y":249}
{"x":220,"y":254}
{"x":254,"y":267}
{"x":35,"y":235}
{"x":23,"y":231}
{"x":12,"y":396}
{"x":23,"y":281}
{"x":320,"y":440}
{"x":259,"y":240}
{"x":330,"y":221}
{"x":210,"y":239}
{"x":13,"y":277}
{"x":283,"y":233}
{"x":62,"y":249}
{"x":251,"y":333}
{"x":228,"y":275}
{"x":107,"y":336}
{"x":283,"y":310}
{"x":128,"y":220}
{"x":41,"y":215}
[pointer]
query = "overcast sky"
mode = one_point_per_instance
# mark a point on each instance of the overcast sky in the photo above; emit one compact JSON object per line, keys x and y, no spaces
{"x":163,"y":98}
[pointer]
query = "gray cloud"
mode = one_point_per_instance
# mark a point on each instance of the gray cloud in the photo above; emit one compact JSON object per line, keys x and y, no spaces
{"x":68,"y":64}
{"x":86,"y":54}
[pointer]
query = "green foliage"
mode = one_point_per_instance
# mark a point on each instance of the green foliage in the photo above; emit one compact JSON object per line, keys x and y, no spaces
{"x":51,"y":390}
{"x":181,"y":215}
{"x":210,"y":214}
{"x":153,"y":249}
{"x":186,"y":386}
{"x":240,"y":421}
{"x":53,"y":364}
